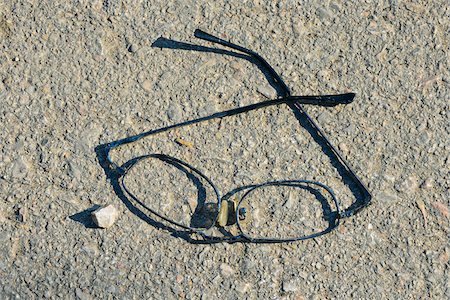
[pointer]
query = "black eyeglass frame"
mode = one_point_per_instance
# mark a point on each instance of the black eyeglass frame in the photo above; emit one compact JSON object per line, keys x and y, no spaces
{"x":295,"y":102}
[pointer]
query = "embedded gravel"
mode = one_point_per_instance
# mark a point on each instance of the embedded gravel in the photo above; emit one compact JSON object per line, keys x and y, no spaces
{"x":78,"y":74}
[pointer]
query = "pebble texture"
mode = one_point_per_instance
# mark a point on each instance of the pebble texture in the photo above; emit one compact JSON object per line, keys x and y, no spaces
{"x":77,"y":74}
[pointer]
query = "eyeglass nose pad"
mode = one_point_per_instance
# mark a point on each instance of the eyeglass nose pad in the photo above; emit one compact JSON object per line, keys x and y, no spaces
{"x":227,"y":213}
{"x":242,"y":213}
{"x":222,"y":218}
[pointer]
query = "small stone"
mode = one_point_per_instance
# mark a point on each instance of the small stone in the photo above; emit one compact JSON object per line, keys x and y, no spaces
{"x":14,"y":247}
{"x":387,"y":197}
{"x":82,"y":295}
{"x":192,"y":201}
{"x":208,"y":109}
{"x":323,"y":118}
{"x":290,"y":201}
{"x":22,"y":215}
{"x":389,"y":177}
{"x":444,"y":257}
{"x":267,"y":92}
{"x":289,"y":286}
{"x":335,"y":6}
{"x":422,"y":126}
{"x":132,"y":48}
{"x":408,"y":186}
{"x":16,"y":59}
{"x":373,"y":27}
{"x":256,"y":218}
{"x":430,"y":80}
{"x":20,"y":168}
{"x":90,"y":249}
{"x":370,"y":226}
{"x":4,"y":237}
{"x":147,"y":85}
{"x":343,"y":147}
{"x":216,"y":281}
{"x":382,"y":55}
{"x":350,"y":128}
{"x":304,"y":275}
{"x":243,"y":287}
{"x":105,"y":217}
{"x":179,"y":279}
{"x":74,"y":170}
{"x":226,"y":270}
{"x":423,"y":138}
{"x":174,"y":113}
{"x":323,"y":13}
{"x":427,"y":184}
{"x":237,"y":66}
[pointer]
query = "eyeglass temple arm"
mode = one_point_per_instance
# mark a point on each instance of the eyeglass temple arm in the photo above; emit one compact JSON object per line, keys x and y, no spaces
{"x":335,"y":99}
{"x":324,"y":100}
{"x":366,"y":195}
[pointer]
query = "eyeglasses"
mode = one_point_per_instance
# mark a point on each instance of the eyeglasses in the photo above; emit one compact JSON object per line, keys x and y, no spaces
{"x":257,"y":214}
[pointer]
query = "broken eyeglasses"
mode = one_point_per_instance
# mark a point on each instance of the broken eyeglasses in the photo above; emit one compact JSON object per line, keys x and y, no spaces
{"x":254,"y":220}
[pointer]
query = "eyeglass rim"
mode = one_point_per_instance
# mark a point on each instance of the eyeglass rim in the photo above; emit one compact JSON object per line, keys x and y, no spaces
{"x":288,"y":183}
{"x":165,"y":157}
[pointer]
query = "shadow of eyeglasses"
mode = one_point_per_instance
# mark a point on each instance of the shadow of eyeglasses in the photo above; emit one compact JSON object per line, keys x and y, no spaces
{"x":164,"y":43}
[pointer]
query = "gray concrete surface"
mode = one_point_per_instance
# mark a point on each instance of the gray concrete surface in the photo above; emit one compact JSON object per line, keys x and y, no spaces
{"x":76,"y":74}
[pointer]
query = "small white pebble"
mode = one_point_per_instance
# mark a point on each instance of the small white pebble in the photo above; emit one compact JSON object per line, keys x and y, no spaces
{"x":82,"y":295}
{"x":243,"y":287}
{"x":105,"y":217}
{"x":427,"y":184}
{"x":132,"y":48}
{"x":267,"y":92}
{"x":389,"y":177}
{"x":387,"y":197}
{"x":409,"y":185}
{"x":147,"y":85}
{"x":289,"y":286}
{"x":22,"y":215}
{"x":423,"y":138}
{"x":343,"y":147}
{"x":226,"y":270}
{"x":2,"y":217}
{"x":422,"y":126}
{"x":90,"y":249}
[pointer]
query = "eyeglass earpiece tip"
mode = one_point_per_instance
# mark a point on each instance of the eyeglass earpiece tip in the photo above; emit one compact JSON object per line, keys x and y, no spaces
{"x":198,"y":33}
{"x":351,"y":97}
